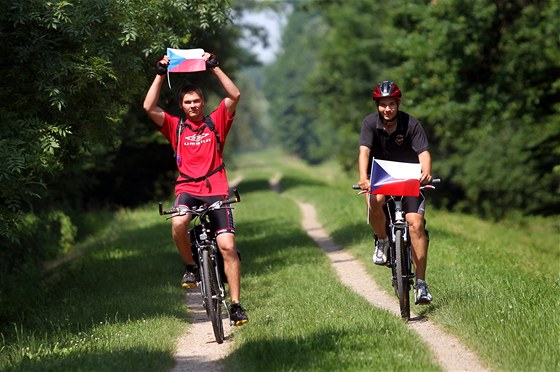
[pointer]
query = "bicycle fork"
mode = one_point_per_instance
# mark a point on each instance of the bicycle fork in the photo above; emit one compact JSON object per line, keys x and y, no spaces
{"x":213,"y":264}
{"x":400,"y":224}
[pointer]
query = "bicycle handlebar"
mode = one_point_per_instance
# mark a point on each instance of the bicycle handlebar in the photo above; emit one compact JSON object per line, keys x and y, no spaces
{"x":435,"y":180}
{"x":181,"y":210}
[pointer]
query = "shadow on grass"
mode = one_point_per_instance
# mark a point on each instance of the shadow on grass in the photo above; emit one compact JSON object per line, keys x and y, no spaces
{"x":271,"y":251}
{"x":129,"y":277}
{"x":148,"y":360}
{"x":318,"y":351}
{"x":286,"y":183}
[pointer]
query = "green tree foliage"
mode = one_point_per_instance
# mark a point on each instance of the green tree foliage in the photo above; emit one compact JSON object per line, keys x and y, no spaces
{"x":487,"y":83}
{"x":352,"y":59}
{"x":292,"y":112}
{"x":483,"y":76}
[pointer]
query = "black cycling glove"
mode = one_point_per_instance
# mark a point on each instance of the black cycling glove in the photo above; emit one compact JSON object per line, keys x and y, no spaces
{"x":161,"y":69}
{"x":212,"y":61}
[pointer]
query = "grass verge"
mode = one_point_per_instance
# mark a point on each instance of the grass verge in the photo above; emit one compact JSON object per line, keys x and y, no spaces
{"x":302,"y":317}
{"x":117,"y":307}
{"x":495,"y":285}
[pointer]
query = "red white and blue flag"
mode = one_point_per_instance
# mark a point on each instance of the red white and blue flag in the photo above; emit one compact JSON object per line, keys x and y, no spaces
{"x":186,"y":60}
{"x":395,"y":178}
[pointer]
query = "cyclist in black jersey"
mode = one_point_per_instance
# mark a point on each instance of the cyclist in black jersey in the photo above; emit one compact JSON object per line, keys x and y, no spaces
{"x":391,"y":134}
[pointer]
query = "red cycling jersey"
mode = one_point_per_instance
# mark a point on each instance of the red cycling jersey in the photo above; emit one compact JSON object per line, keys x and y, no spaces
{"x":198,"y":153}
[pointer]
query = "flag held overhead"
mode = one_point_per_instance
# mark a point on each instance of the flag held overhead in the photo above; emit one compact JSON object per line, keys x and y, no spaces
{"x":186,"y":60}
{"x":395,"y":178}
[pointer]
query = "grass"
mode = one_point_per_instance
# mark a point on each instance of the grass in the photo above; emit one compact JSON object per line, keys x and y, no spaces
{"x":302,"y":317}
{"x":496,"y":285}
{"x":119,"y":307}
{"x":115,"y":308}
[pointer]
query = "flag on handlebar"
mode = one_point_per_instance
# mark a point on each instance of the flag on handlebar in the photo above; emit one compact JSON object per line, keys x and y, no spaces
{"x":186,"y":60}
{"x":395,"y":178}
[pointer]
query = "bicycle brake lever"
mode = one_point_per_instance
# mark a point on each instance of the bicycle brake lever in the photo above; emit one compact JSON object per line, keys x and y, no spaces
{"x":182,"y":210}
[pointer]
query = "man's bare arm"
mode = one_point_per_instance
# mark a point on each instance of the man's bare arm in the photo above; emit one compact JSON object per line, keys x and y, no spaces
{"x":363,"y":161}
{"x":151,"y":107}
{"x":426,"y":163}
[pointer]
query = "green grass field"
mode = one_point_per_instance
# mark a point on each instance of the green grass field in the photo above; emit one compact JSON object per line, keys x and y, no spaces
{"x":119,"y":306}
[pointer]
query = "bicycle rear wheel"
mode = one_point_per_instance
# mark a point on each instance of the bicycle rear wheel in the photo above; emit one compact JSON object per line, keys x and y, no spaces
{"x":403,"y":283}
{"x":213,"y":300}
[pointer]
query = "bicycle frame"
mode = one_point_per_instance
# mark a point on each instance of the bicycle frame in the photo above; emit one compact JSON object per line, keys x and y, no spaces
{"x":400,"y":257}
{"x":207,"y":255}
{"x":211,"y":284}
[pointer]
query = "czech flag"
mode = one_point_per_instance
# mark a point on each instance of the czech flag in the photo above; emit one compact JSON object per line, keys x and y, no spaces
{"x":395,"y":178}
{"x":186,"y":60}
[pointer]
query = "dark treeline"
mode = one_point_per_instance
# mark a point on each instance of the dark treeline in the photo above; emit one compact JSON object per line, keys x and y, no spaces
{"x":482,"y":75}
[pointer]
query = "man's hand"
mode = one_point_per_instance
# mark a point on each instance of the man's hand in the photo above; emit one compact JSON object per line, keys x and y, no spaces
{"x":161,"y":65}
{"x":364,"y":184}
{"x":211,"y":60}
{"x":425,"y":179}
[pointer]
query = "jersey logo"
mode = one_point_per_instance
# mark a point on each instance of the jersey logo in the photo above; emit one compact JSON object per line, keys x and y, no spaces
{"x":197,"y":138}
{"x":399,"y":140}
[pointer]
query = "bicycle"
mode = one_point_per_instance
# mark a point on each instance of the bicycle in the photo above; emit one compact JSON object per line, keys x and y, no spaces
{"x":399,"y":256}
{"x":209,"y":260}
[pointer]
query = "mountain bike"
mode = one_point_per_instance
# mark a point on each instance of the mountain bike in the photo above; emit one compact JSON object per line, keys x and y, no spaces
{"x":399,"y":256}
{"x":210,"y":262}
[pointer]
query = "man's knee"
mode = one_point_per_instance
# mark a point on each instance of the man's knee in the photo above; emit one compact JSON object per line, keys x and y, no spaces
{"x":415,"y":223}
{"x":227,"y":245}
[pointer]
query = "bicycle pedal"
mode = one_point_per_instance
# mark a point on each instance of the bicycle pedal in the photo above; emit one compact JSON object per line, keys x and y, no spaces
{"x":189,"y":285}
{"x":239,"y":322}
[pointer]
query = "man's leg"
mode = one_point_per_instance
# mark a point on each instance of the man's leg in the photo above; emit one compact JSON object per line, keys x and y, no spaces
{"x":377,"y":216}
{"x":180,"y":233}
{"x":377,"y":220}
{"x":232,"y":265}
{"x":179,"y":230}
{"x":419,"y":243}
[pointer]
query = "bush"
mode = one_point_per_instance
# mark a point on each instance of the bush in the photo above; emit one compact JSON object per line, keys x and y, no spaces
{"x":33,"y":240}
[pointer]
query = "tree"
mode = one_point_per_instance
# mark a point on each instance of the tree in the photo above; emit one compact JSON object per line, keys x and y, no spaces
{"x":483,"y":77}
{"x":285,"y":80}
{"x":71,"y":70}
{"x":487,"y":79}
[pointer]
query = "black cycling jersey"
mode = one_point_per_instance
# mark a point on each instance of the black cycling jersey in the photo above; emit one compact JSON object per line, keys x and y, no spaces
{"x":404,"y":144}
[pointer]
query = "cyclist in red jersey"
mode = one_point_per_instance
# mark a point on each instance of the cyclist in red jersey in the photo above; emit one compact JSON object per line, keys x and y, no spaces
{"x":202,"y":176}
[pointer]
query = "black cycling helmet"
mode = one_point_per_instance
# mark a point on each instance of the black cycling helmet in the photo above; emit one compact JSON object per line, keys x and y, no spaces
{"x":386,"y":89}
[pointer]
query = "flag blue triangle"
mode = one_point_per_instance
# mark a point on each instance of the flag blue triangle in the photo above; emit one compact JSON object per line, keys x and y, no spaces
{"x":378,"y":175}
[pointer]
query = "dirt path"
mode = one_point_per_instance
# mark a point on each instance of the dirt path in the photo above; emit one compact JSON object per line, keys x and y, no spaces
{"x":449,"y":351}
{"x":198,"y":351}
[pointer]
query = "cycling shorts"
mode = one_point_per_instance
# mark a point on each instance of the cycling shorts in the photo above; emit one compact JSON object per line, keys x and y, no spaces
{"x":221,"y":220}
{"x":414,"y":204}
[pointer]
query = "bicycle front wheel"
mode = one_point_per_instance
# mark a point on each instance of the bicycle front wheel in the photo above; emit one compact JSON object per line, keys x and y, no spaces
{"x":213,"y":298}
{"x":403,"y":284}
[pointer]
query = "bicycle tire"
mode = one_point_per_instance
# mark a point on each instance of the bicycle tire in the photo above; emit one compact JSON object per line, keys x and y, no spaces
{"x":212,"y":296}
{"x":403,"y":283}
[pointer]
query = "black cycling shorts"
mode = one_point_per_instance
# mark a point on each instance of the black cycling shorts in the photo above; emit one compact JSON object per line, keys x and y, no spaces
{"x":414,"y":204}
{"x":221,"y":220}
